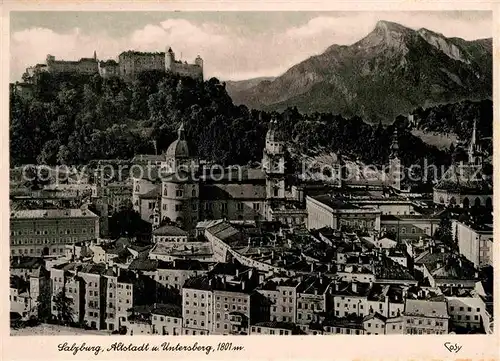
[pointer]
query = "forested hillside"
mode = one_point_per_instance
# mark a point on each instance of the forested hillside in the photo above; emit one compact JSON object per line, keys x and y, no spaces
{"x":73,"y":119}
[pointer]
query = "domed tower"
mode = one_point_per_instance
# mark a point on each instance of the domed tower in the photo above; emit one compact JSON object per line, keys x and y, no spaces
{"x":169,"y":59}
{"x":180,"y":189}
{"x":395,"y":163}
{"x":177,"y":154}
{"x":273,"y":162}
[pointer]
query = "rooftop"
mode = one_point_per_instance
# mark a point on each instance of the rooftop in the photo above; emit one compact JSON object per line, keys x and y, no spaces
{"x":182,"y":249}
{"x":333,"y":202}
{"x":425,"y":308}
{"x":52,"y":213}
{"x":229,"y":235}
{"x":169,"y":310}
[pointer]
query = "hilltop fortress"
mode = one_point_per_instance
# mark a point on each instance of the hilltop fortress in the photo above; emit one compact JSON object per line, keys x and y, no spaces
{"x":130,"y":64}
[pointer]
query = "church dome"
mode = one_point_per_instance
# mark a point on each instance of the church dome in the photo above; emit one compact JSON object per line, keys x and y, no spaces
{"x":179,"y":147}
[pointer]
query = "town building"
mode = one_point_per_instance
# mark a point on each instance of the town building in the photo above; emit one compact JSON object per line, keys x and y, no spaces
{"x":409,"y":227}
{"x":166,"y":319}
{"x":421,"y":317}
{"x":275,"y":328}
{"x":20,"y":299}
{"x":466,"y":310}
{"x":329,"y":211}
{"x":475,"y":242}
{"x":38,"y":232}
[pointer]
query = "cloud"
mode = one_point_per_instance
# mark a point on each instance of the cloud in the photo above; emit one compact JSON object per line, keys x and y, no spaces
{"x":230,"y":52}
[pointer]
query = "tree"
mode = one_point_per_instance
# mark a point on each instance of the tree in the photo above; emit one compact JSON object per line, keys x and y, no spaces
{"x":444,"y":233}
{"x":64,"y":308}
{"x":43,"y":306}
{"x":128,"y":223}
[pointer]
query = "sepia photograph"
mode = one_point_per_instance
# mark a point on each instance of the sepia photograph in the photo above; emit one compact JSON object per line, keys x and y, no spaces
{"x":250,"y":173}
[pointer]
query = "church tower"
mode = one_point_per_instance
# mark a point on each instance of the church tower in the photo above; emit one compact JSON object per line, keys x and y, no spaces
{"x":395,"y":163}
{"x":475,"y":154}
{"x":273,"y":162}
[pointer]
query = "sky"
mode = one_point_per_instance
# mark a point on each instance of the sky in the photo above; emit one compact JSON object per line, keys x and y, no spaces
{"x":233,"y":45}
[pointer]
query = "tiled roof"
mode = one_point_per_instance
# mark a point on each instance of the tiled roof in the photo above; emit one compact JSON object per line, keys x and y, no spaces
{"x":52,"y":213}
{"x":26,"y":262}
{"x":375,"y":315}
{"x":229,"y":235}
{"x":277,"y":324}
{"x":241,"y":190}
{"x":18,"y":283}
{"x":169,"y":310}
{"x":182,"y":249}
{"x":169,"y":231}
{"x":426,"y":308}
{"x":152,"y":194}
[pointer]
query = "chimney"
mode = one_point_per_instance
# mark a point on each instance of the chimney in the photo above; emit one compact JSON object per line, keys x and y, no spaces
{"x":243,"y":285}
{"x":329,"y":266}
{"x":320,"y":278}
{"x":354,"y":287}
{"x":442,"y":249}
{"x":250,"y":274}
{"x":237,"y":272}
{"x":210,"y":282}
{"x":312,"y":267}
{"x":173,"y":263}
{"x":337,"y":286}
{"x":315,"y":291}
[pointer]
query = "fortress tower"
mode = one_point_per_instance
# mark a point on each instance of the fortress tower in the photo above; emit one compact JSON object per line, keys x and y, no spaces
{"x":178,"y":67}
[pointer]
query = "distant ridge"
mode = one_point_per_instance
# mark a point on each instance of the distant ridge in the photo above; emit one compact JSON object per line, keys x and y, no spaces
{"x":390,"y":71}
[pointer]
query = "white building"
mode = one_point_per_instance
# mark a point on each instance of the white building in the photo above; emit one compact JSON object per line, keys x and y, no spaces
{"x":474,"y":242}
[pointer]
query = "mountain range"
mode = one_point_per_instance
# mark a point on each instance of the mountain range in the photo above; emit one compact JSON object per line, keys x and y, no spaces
{"x":391,"y":71}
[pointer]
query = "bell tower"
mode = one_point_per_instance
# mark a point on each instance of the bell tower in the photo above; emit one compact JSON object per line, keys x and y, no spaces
{"x":395,"y":171}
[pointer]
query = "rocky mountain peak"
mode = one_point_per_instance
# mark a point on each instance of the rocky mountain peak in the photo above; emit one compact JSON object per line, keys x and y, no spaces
{"x":386,"y":33}
{"x":443,"y":44}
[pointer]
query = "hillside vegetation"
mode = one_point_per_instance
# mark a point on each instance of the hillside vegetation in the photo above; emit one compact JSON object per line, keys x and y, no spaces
{"x":73,"y":119}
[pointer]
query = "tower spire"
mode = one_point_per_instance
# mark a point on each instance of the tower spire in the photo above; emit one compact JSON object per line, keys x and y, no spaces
{"x":95,"y":55}
{"x":395,"y":144}
{"x":473,"y":138}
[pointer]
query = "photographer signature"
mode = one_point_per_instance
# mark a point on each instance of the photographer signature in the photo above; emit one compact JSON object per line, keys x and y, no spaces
{"x":452,"y":347}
